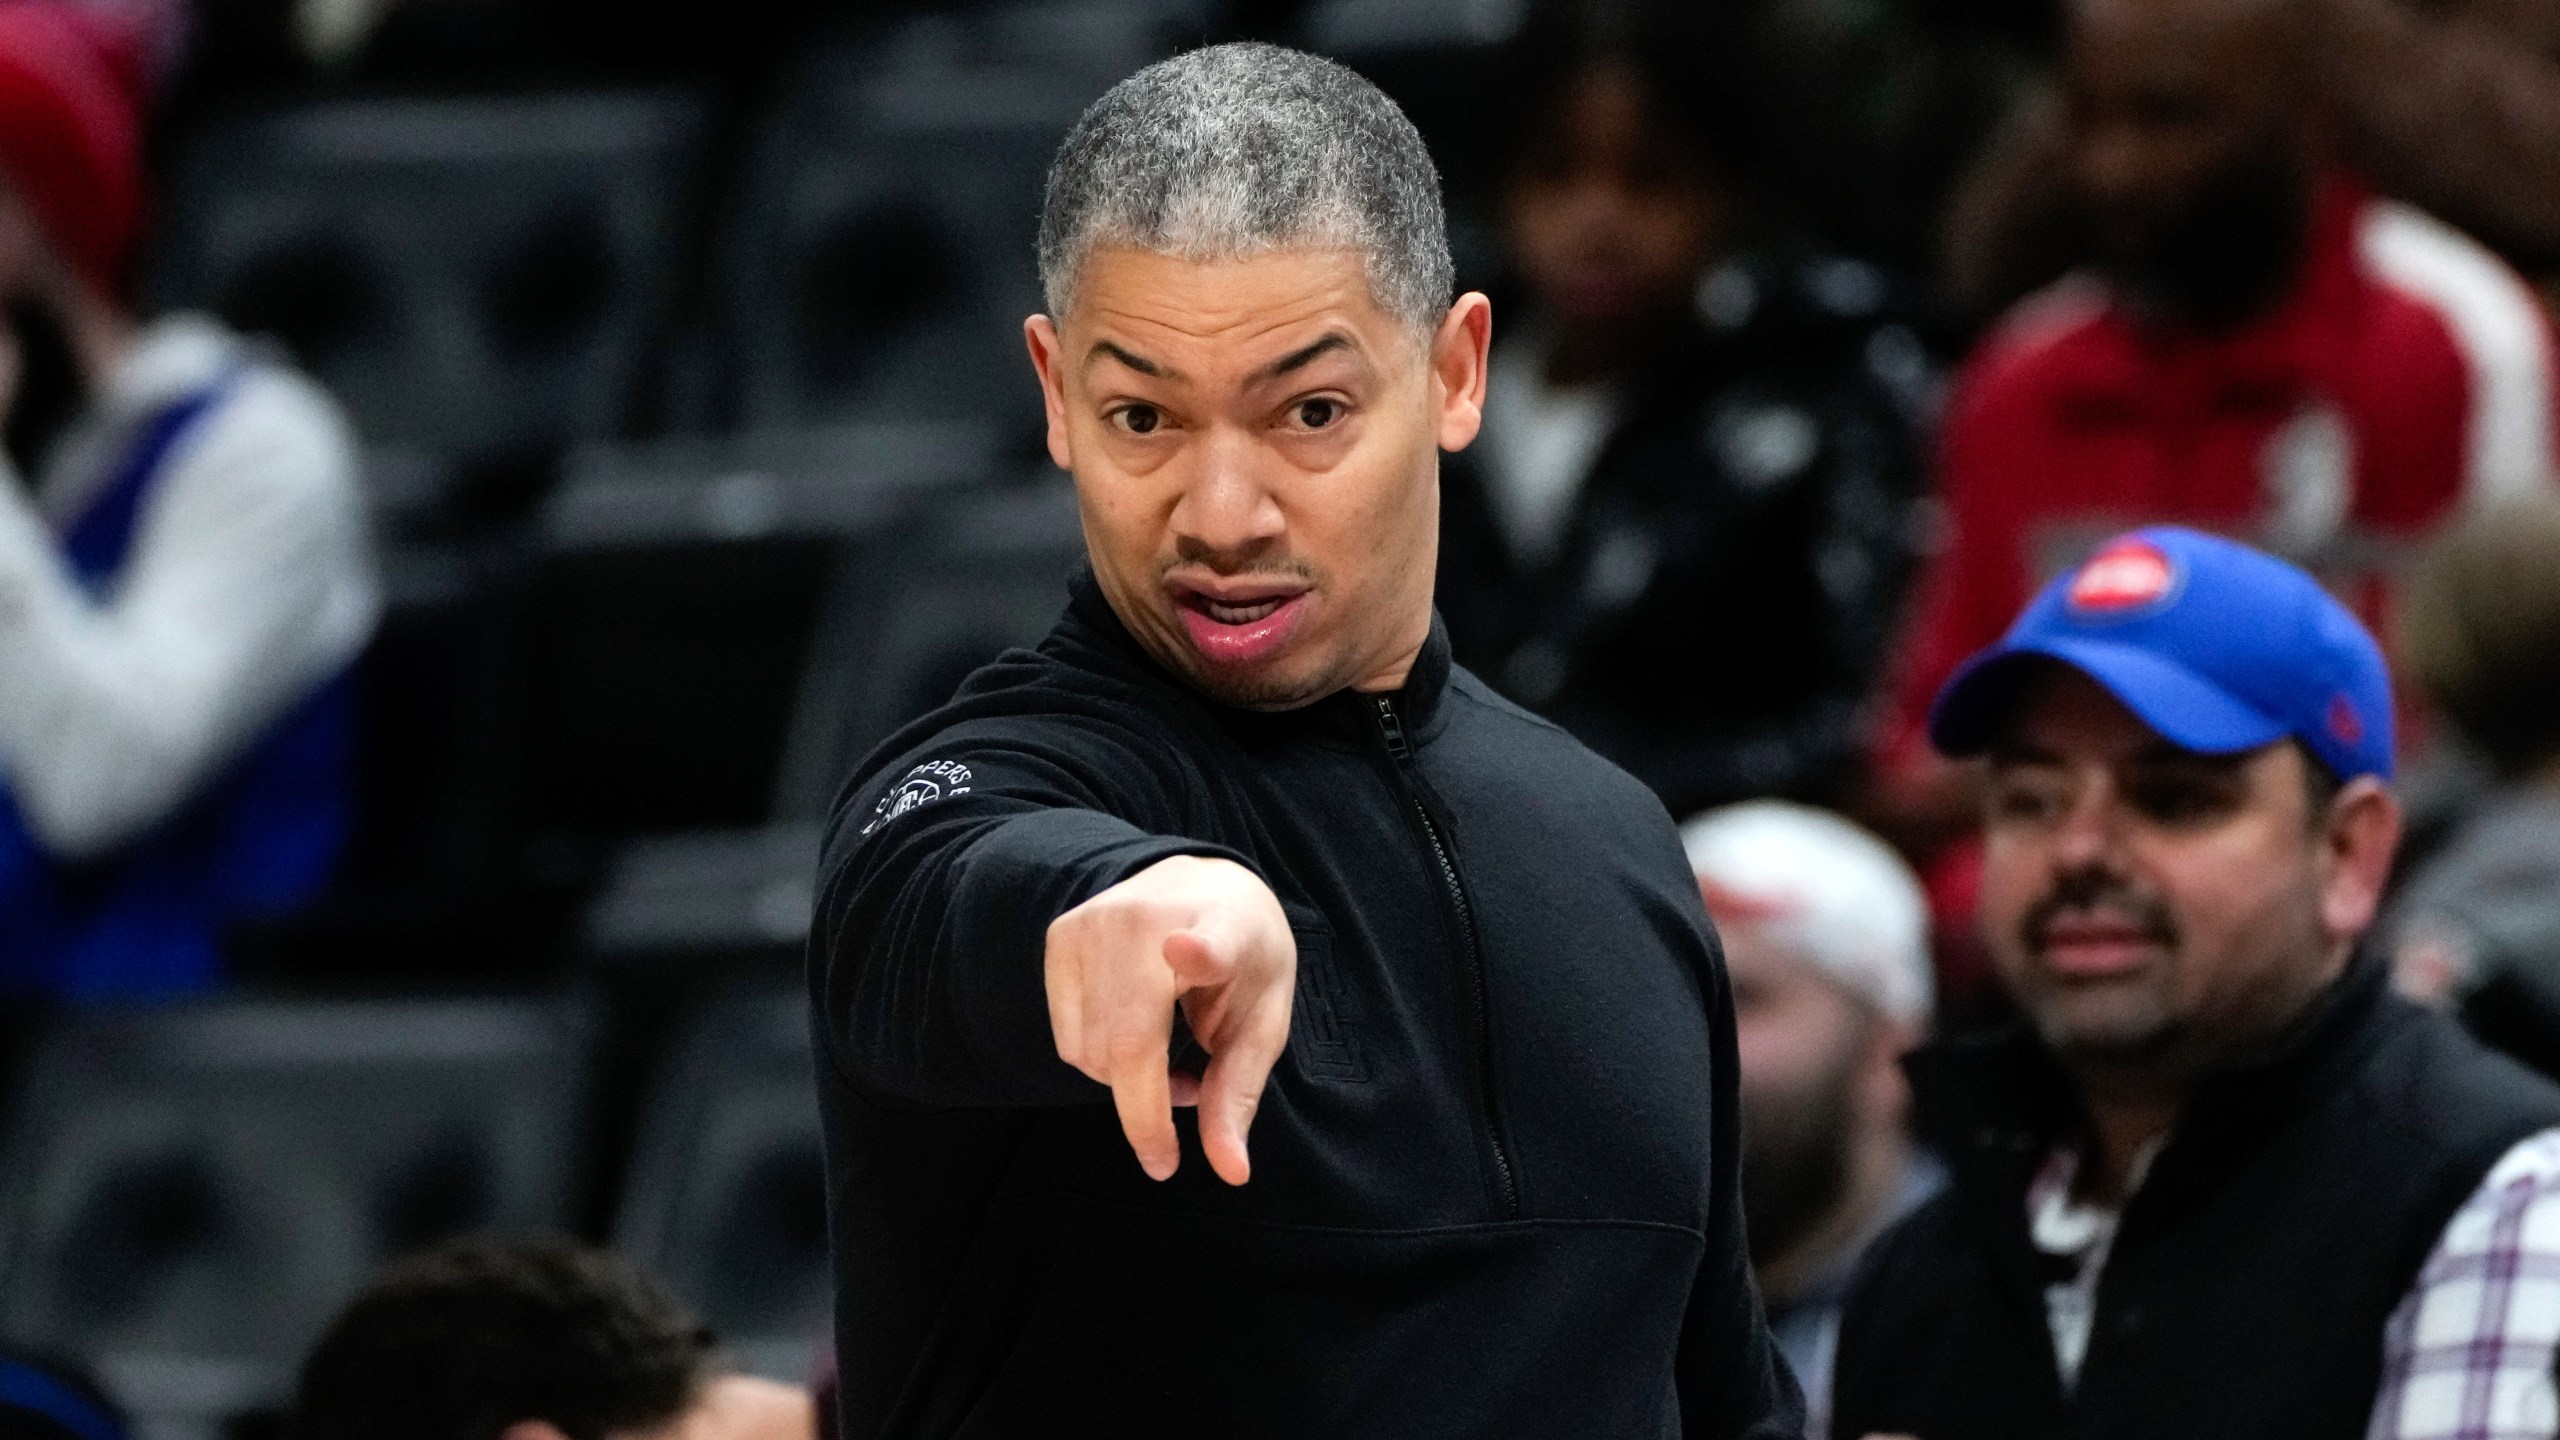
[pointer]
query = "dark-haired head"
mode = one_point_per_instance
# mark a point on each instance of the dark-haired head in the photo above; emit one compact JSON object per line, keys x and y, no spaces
{"x":477,"y":1336}
{"x":2196,"y":149}
{"x":1624,"y":168}
{"x":2480,"y":632}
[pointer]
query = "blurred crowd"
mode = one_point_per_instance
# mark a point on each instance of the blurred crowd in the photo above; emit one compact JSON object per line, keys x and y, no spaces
{"x":477,"y":474}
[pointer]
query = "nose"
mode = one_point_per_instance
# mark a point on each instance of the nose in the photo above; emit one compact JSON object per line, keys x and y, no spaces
{"x":2091,"y":830}
{"x":1226,"y":516}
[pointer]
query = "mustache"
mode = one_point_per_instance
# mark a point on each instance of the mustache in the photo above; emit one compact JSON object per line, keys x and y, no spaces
{"x":1259,"y":563}
{"x":2091,"y":892}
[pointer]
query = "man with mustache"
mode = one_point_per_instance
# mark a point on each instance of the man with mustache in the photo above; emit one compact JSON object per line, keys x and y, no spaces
{"x":1237,"y":851}
{"x":2223,"y":1182}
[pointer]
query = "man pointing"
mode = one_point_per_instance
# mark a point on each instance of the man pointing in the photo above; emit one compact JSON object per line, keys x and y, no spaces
{"x":1234,"y":1019}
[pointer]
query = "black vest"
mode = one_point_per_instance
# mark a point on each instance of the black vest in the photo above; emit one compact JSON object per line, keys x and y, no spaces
{"x":2252,"y":1273}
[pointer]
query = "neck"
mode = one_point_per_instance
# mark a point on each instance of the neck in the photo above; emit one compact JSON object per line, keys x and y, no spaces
{"x":100,"y":333}
{"x":2125,"y":1127}
{"x":1398,"y":666}
{"x":2132,"y":1104}
{"x":1875,"y":1176}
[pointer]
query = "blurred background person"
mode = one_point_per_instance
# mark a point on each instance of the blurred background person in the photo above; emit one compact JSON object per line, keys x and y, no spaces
{"x":2260,"y":347}
{"x":45,"y":1398}
{"x":530,"y":1339}
{"x":1826,"y":938}
{"x":1684,"y":533}
{"x":184,"y":562}
{"x":2477,"y":924}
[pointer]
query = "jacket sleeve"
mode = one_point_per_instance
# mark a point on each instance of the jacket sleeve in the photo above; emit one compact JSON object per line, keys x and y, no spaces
{"x":1734,"y":1385}
{"x":940,"y":876}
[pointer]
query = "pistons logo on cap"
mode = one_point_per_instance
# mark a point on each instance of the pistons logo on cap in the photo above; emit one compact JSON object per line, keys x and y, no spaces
{"x":2127,"y":577}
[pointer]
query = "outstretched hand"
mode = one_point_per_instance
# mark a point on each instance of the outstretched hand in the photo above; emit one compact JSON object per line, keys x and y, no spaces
{"x":1202,"y":934}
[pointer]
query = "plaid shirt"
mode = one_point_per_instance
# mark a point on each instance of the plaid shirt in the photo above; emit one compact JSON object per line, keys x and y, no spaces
{"x":2469,"y":1354}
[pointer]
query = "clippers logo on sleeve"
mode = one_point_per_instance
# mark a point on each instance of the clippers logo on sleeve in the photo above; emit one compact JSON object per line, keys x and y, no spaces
{"x":932,"y":781}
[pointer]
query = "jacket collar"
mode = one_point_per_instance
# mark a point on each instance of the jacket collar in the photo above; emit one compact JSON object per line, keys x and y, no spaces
{"x":1346,"y":716}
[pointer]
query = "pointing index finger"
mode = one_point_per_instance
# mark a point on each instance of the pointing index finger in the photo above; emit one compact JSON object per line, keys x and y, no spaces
{"x":1143,"y":1094}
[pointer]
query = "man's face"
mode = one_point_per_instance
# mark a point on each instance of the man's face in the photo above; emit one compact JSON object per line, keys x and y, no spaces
{"x":2191,"y":146}
{"x":728,"y":1407}
{"x":2154,"y":909}
{"x":1806,"y":1048}
{"x":1608,"y":218}
{"x":744,"y":1407}
{"x":1256,"y":446}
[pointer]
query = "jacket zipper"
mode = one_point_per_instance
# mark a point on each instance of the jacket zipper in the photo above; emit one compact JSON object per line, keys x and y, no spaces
{"x":1470,"y":944}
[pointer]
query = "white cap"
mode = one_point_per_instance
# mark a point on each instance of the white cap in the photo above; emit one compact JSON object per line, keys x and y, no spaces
{"x":1826,"y":890}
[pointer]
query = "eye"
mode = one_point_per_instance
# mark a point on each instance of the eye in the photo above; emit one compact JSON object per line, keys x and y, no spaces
{"x":2021,"y":799}
{"x":1138,"y":419}
{"x":1318,"y":413}
{"x":2181,"y":799}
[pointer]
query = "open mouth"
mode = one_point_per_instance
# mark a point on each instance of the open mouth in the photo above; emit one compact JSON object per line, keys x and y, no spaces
{"x":1239,"y":613}
{"x":1241,"y":625}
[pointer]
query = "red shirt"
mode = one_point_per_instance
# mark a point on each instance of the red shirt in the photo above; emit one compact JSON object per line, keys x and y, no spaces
{"x":2408,"y":371}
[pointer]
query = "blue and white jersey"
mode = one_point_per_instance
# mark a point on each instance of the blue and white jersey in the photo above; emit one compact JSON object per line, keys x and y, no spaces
{"x":179,"y":612}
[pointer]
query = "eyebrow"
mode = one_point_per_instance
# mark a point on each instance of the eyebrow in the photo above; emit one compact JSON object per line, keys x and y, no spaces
{"x":1139,"y":363}
{"x":2019,"y":752}
{"x":2167,"y":755}
{"x":1297,"y":359}
{"x":1303,"y":356}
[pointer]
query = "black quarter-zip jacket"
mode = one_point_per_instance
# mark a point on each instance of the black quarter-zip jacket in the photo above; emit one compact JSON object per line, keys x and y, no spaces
{"x":1493,"y":1184}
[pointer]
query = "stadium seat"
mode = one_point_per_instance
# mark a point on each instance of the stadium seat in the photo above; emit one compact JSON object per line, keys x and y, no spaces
{"x":961,"y":583}
{"x":187,"y":1194}
{"x":677,"y":589}
{"x":881,"y":259}
{"x":726,"y":1200}
{"x":903,"y":622}
{"x":470,"y":276}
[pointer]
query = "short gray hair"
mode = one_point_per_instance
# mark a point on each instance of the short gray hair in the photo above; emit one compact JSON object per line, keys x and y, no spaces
{"x":1239,"y":149}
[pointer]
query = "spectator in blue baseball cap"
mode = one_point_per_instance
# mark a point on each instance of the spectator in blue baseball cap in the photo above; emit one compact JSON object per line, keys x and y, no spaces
{"x":2222,"y":1181}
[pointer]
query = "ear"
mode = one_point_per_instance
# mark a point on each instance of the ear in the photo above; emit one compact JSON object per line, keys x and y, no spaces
{"x":2363,"y":832}
{"x":1040,"y":333}
{"x":1885,"y":1090}
{"x":1458,"y":354}
{"x":532,"y":1430}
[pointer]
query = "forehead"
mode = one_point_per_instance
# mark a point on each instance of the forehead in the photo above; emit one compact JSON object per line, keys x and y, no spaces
{"x":2060,"y":712}
{"x":1206,"y":317}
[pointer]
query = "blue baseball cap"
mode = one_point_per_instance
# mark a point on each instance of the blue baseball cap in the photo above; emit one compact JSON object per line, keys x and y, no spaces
{"x":2218,"y":647}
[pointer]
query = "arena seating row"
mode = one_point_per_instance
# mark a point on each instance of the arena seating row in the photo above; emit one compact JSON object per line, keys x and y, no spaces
{"x":186,"y":1194}
{"x":495,"y":276}
{"x":693,"y":636}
